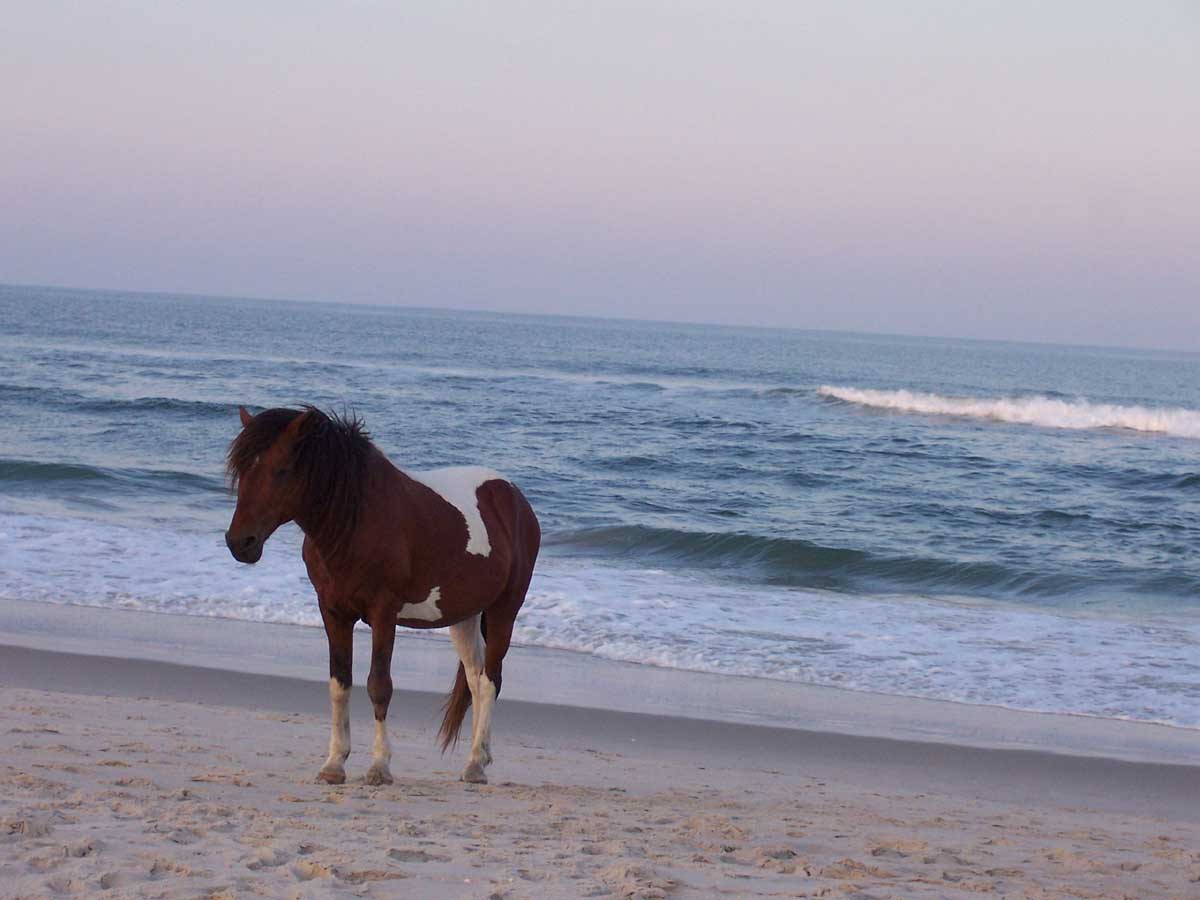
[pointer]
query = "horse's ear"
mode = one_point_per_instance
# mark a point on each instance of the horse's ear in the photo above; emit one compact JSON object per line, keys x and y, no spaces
{"x":298,"y":424}
{"x":246,"y":417}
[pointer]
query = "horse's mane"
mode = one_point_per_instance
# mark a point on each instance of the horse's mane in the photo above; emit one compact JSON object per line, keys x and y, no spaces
{"x":329,"y":466}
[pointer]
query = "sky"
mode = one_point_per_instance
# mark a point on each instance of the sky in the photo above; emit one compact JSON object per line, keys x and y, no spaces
{"x":1014,"y":170}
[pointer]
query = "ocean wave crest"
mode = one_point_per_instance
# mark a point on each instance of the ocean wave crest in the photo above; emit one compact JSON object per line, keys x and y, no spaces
{"x":794,"y":562}
{"x":74,"y":401}
{"x":36,"y":475}
{"x":159,"y":405}
{"x":1048,"y":412}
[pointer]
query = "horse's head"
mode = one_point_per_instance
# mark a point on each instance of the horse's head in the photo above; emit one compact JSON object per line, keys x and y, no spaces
{"x":297,"y":464}
{"x":261,"y":466}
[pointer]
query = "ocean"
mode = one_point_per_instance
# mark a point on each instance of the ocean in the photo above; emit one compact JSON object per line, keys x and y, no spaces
{"x":981,"y":522}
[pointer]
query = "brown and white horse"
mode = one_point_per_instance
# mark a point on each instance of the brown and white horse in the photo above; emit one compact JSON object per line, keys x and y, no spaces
{"x":450,"y":547}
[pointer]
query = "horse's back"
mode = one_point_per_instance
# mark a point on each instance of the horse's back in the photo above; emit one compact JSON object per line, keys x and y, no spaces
{"x":488,"y":501}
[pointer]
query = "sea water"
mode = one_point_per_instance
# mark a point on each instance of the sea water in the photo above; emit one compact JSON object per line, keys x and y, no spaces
{"x":983,"y":522}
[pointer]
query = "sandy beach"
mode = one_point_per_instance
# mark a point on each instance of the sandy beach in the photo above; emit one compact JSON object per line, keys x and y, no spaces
{"x":143,"y":778}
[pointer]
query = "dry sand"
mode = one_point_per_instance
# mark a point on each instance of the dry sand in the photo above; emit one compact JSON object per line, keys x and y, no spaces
{"x":111,"y":785}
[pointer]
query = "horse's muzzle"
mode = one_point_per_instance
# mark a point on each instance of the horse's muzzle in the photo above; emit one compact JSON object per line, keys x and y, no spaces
{"x":246,"y":549}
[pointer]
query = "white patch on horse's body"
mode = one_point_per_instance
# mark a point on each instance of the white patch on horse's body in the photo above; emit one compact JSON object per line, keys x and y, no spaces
{"x":427,"y":609}
{"x":458,"y":486}
{"x":339,"y":727}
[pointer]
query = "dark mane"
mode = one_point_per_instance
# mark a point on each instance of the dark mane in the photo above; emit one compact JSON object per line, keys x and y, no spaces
{"x":329,"y":466}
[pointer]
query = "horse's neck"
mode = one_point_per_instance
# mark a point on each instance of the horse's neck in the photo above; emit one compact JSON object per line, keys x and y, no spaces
{"x":383,"y":480}
{"x":408,"y":484}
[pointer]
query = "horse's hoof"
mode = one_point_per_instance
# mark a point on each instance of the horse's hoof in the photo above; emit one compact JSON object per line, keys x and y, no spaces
{"x":332,"y":776}
{"x":474,"y":774}
{"x":377,"y":775}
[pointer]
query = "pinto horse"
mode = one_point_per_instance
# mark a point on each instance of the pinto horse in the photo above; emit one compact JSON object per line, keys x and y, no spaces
{"x":450,"y":547}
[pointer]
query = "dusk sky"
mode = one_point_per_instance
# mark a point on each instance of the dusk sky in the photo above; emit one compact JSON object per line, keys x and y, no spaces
{"x":985,"y":169}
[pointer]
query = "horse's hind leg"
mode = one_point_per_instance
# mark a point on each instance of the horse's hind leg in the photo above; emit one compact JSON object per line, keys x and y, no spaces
{"x":468,"y":641}
{"x":500,"y":619}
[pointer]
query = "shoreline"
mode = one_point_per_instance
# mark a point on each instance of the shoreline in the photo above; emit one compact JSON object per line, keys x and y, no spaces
{"x":425,"y":663}
{"x":1033,"y":778}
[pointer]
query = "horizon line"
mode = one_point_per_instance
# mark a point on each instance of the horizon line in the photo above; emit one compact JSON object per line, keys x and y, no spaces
{"x":598,"y":318}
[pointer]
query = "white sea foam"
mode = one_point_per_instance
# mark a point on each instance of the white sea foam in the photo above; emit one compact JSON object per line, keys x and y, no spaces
{"x":970,"y":651}
{"x":1047,"y":412}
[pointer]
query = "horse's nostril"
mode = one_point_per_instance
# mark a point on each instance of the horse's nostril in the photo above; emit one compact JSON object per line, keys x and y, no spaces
{"x":241,"y":545}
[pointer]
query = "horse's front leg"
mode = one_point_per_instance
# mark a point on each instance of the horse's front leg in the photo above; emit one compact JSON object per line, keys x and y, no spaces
{"x":340,"y":632}
{"x":379,"y":687}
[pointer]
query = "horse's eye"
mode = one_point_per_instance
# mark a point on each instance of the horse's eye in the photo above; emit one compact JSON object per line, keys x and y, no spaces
{"x":280,"y":473}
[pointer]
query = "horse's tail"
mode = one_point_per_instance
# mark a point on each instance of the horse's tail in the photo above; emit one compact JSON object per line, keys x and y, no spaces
{"x":458,"y":701}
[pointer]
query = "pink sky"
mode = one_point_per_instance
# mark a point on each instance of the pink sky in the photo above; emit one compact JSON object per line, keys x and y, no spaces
{"x":986,"y":169}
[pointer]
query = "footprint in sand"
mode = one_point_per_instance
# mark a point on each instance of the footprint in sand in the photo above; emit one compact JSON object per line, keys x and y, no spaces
{"x":123,"y":810}
{"x":898,"y":849}
{"x":1073,"y":860}
{"x":82,"y":848}
{"x":161,"y":868}
{"x":111,"y":880}
{"x":307,"y":870}
{"x":26,"y":827}
{"x":845,"y":869}
{"x":636,"y":881}
{"x":1003,"y":872}
{"x":777,"y":852}
{"x":946,"y":857}
{"x":416,"y":855}
{"x":66,"y":886}
{"x":267,"y":858}
{"x":366,"y":876}
{"x":45,"y":863}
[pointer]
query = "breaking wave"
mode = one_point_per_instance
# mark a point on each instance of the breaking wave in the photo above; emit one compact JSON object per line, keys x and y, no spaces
{"x":1047,"y":412}
{"x":791,"y":562}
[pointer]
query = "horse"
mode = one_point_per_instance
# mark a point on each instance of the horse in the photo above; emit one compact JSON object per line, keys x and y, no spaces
{"x":445,"y":548}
